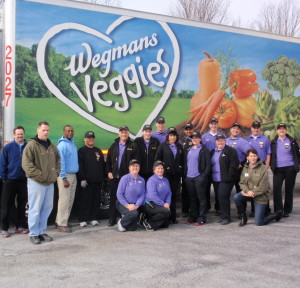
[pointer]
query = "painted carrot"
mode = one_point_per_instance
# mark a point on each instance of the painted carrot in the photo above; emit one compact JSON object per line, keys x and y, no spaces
{"x":209,"y":74}
{"x":217,"y":99}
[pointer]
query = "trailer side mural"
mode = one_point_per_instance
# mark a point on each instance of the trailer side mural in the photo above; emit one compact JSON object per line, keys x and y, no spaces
{"x":98,"y":68}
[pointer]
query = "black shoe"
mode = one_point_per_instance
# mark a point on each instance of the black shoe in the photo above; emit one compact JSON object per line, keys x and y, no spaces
{"x":278,"y":216}
{"x":173,"y":221}
{"x":285,"y":214}
{"x":111,"y":223}
{"x":45,"y":238}
{"x":141,"y":219}
{"x":147,"y":226}
{"x":35,"y":240}
{"x":243,"y":220}
{"x":225,"y":222}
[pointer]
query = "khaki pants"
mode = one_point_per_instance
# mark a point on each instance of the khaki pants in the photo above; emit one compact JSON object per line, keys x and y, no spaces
{"x":66,"y":197}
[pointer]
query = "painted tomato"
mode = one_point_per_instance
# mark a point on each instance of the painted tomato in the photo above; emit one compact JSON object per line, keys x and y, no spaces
{"x":226,"y":113}
{"x":245,"y":108}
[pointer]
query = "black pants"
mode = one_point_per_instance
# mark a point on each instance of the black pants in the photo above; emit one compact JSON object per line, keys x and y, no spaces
{"x":113,"y":187}
{"x":158,"y":216}
{"x":198,"y":205}
{"x":174,"y":181}
{"x":11,"y":190}
{"x":89,"y":202}
{"x":288,"y":175}
{"x":224,"y":191}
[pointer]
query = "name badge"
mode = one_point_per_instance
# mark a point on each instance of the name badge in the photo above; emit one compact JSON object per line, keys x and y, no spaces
{"x":246,"y":174}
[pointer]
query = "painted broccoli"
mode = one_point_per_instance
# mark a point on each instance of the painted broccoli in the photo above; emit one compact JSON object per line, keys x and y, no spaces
{"x":283,"y":75}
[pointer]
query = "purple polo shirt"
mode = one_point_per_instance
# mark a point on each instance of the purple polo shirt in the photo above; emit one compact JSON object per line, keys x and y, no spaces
{"x":174,"y":149}
{"x":147,"y":143}
{"x":158,"y":190}
{"x":131,"y":190}
{"x":261,"y":144}
{"x":284,"y":153}
{"x":160,"y":136}
{"x":121,"y":152}
{"x":215,"y":162}
{"x":240,"y":145}
{"x":209,"y":140}
{"x":193,"y":162}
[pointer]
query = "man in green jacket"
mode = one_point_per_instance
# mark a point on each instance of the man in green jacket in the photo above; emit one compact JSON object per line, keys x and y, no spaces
{"x":41,"y":164}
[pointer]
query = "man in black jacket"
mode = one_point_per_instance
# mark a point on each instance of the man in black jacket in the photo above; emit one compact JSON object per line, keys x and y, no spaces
{"x":91,"y":176}
{"x":119,"y":155}
{"x":147,"y":147}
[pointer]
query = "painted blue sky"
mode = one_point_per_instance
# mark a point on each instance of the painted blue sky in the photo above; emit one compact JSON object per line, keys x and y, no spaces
{"x":252,"y":52}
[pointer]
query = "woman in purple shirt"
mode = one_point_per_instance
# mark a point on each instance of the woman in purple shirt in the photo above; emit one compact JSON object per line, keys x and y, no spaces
{"x":171,"y":153}
{"x":130,"y":197}
{"x":225,"y":164}
{"x":285,"y":166}
{"x":158,"y":200}
{"x":197,"y":166}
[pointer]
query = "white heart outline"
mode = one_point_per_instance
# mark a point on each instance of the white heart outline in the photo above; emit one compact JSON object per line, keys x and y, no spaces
{"x":40,"y":55}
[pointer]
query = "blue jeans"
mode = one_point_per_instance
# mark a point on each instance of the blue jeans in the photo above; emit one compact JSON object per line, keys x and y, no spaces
{"x":241,"y":201}
{"x":129,"y":218}
{"x":40,"y":201}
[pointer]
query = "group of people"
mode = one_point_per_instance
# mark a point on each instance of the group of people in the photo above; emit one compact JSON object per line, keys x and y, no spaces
{"x":145,"y":176}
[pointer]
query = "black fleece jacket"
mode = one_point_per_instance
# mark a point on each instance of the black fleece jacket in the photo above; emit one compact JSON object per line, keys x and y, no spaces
{"x":229,"y":163}
{"x":130,"y":153}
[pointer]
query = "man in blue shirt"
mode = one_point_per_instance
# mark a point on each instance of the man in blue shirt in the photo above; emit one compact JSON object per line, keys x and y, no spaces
{"x":67,"y":179}
{"x":14,"y":183}
{"x":260,"y":143}
{"x":160,"y":133}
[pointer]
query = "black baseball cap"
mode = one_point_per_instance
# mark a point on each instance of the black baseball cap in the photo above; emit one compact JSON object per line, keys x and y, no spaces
{"x":255,"y":124}
{"x":235,"y":124}
{"x":281,"y":125}
{"x":160,"y":120}
{"x":213,"y":119}
{"x":89,"y":134}
{"x":172,"y":130}
{"x":220,"y":136}
{"x":133,"y":161}
{"x":189,"y":126}
{"x":157,"y":163}
{"x":123,"y":128}
{"x":147,"y":127}
{"x":196,"y":134}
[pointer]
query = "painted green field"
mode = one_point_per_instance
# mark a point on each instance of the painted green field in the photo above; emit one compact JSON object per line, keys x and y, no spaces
{"x":31,"y":111}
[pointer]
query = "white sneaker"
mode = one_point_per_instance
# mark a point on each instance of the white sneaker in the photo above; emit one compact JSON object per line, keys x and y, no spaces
{"x":83,"y":224}
{"x":94,"y":223}
{"x":120,"y":227}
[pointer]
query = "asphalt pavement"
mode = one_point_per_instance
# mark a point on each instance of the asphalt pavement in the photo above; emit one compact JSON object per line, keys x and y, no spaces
{"x":180,"y":256}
